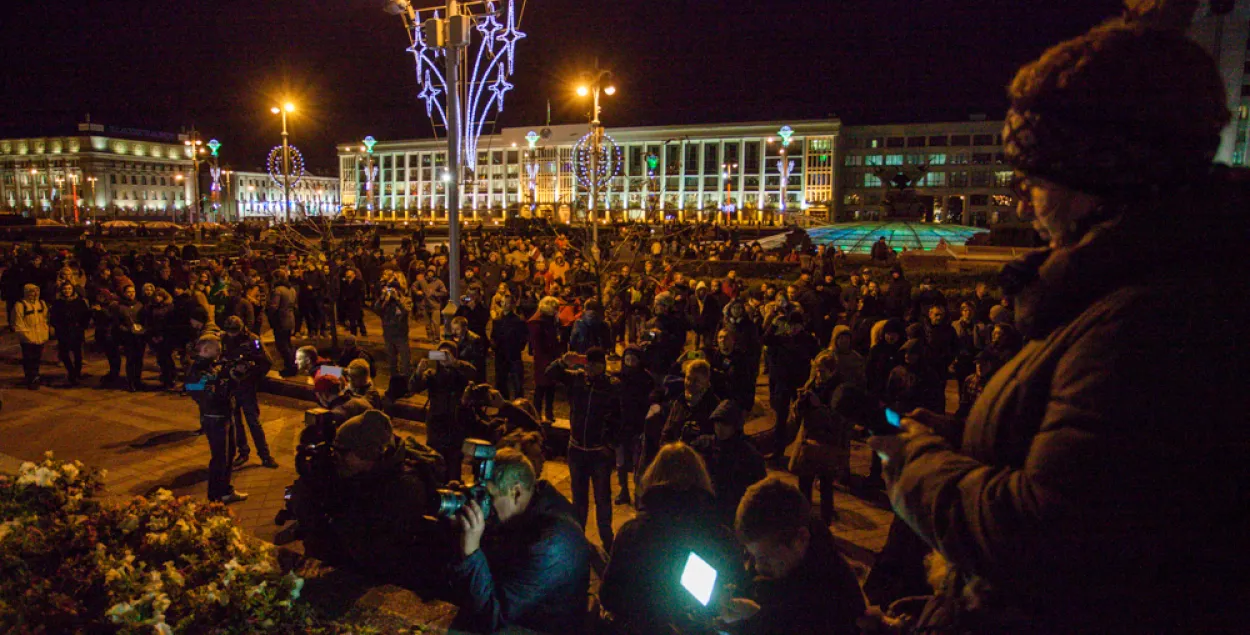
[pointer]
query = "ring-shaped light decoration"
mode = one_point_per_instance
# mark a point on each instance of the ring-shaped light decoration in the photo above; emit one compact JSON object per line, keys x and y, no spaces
{"x":611,"y":160}
{"x":274,"y":166}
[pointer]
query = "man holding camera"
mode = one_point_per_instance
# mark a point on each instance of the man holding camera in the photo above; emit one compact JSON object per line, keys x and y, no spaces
{"x":211,"y":392}
{"x":533,"y":568}
{"x":445,"y":377}
{"x":394,"y":306}
{"x":252,"y":361}
{"x":470,"y":346}
{"x":594,"y":417}
{"x":382,"y":493}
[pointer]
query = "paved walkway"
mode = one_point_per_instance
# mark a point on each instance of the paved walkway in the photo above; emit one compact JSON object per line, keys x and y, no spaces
{"x":147,"y":440}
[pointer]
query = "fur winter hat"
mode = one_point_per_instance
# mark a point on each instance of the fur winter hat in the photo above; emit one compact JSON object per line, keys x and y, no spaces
{"x":1121,"y":111}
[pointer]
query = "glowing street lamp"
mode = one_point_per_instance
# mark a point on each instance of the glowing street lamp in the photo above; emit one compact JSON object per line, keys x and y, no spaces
{"x":600,"y":81}
{"x":286,"y":108}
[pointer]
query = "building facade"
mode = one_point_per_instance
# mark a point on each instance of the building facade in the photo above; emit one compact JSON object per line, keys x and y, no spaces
{"x":100,"y":169}
{"x":952,"y":172}
{"x":748,"y":172}
{"x":256,"y":195}
{"x":1227,"y":38}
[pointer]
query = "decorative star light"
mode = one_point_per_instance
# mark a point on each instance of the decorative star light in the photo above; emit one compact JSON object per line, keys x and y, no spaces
{"x":369,"y":143}
{"x":213,"y":144}
{"x":494,"y":57}
{"x":532,"y":138}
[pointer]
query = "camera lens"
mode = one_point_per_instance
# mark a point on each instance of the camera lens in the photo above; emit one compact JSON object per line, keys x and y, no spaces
{"x":450,"y":502}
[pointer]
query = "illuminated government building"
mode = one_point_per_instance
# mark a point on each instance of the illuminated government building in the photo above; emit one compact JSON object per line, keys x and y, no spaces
{"x":745,"y":172}
{"x":102,"y":167}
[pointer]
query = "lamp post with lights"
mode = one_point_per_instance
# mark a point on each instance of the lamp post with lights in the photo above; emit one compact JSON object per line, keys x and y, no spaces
{"x":370,"y":175}
{"x":196,"y":146}
{"x":91,"y":185}
{"x":286,"y":107}
{"x":600,"y":81}
{"x":728,"y":171}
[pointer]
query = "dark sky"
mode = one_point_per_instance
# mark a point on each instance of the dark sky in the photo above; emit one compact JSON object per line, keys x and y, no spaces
{"x":220,"y":65}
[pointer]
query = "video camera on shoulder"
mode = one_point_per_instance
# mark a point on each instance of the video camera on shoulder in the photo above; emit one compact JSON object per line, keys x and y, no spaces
{"x":455,"y":496}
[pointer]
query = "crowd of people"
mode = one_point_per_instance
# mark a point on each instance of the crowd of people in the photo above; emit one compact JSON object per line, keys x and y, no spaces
{"x":1092,"y":478}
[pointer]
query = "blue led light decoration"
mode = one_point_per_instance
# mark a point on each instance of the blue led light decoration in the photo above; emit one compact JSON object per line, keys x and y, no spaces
{"x":611,"y":159}
{"x":274,"y":166}
{"x":486,"y":83}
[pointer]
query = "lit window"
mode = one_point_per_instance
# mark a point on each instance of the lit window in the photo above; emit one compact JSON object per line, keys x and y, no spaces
{"x":872,"y":180}
{"x":874,"y":159}
{"x":894,"y":159}
{"x":937,"y":159}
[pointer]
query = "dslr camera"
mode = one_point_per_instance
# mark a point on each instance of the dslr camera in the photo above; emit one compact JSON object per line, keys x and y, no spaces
{"x":455,"y":496}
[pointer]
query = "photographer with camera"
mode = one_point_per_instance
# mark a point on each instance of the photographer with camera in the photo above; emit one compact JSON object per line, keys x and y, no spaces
{"x":508,"y":417}
{"x":531,"y":569}
{"x":332,"y":394}
{"x":445,"y":377}
{"x":594,"y":417}
{"x":393,"y":307}
{"x":470,"y":346}
{"x":665,"y":334}
{"x":637,"y":387}
{"x":208,"y":382}
{"x":363,"y":501}
{"x":250,"y":363}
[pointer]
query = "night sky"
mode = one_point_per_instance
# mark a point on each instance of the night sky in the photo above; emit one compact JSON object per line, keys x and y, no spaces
{"x":220,"y":65}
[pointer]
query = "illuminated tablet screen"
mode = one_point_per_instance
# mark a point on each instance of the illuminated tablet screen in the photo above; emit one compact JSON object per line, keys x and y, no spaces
{"x":699,"y":578}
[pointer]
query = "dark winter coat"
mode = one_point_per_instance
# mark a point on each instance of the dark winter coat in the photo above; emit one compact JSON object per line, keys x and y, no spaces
{"x":544,"y":345}
{"x":445,"y":418}
{"x":281,"y":308}
{"x":734,"y":465}
{"x":594,"y":406}
{"x":820,"y":597}
{"x":1102,"y":477}
{"x":508,"y":337}
{"x":532,"y":572}
{"x":642,"y":584}
{"x":588,"y":334}
{"x":791,"y":356}
{"x":636,"y":391}
{"x":70,"y":317}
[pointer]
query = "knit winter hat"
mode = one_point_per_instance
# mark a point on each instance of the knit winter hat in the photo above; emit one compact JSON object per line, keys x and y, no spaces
{"x":1121,"y":111}
{"x":367,"y":435}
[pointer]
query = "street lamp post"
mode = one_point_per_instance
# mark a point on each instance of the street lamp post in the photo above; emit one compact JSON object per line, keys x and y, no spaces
{"x":60,"y":196}
{"x":195,"y":143}
{"x":91,"y":183}
{"x":286,"y":160}
{"x":370,"y":175}
{"x":595,"y":86}
{"x":727,"y":172}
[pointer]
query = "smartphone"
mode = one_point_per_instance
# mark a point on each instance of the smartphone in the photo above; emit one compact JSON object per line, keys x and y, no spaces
{"x":893,"y":418}
{"x":336,"y":371}
{"x":699,"y":578}
{"x":438,"y":356}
